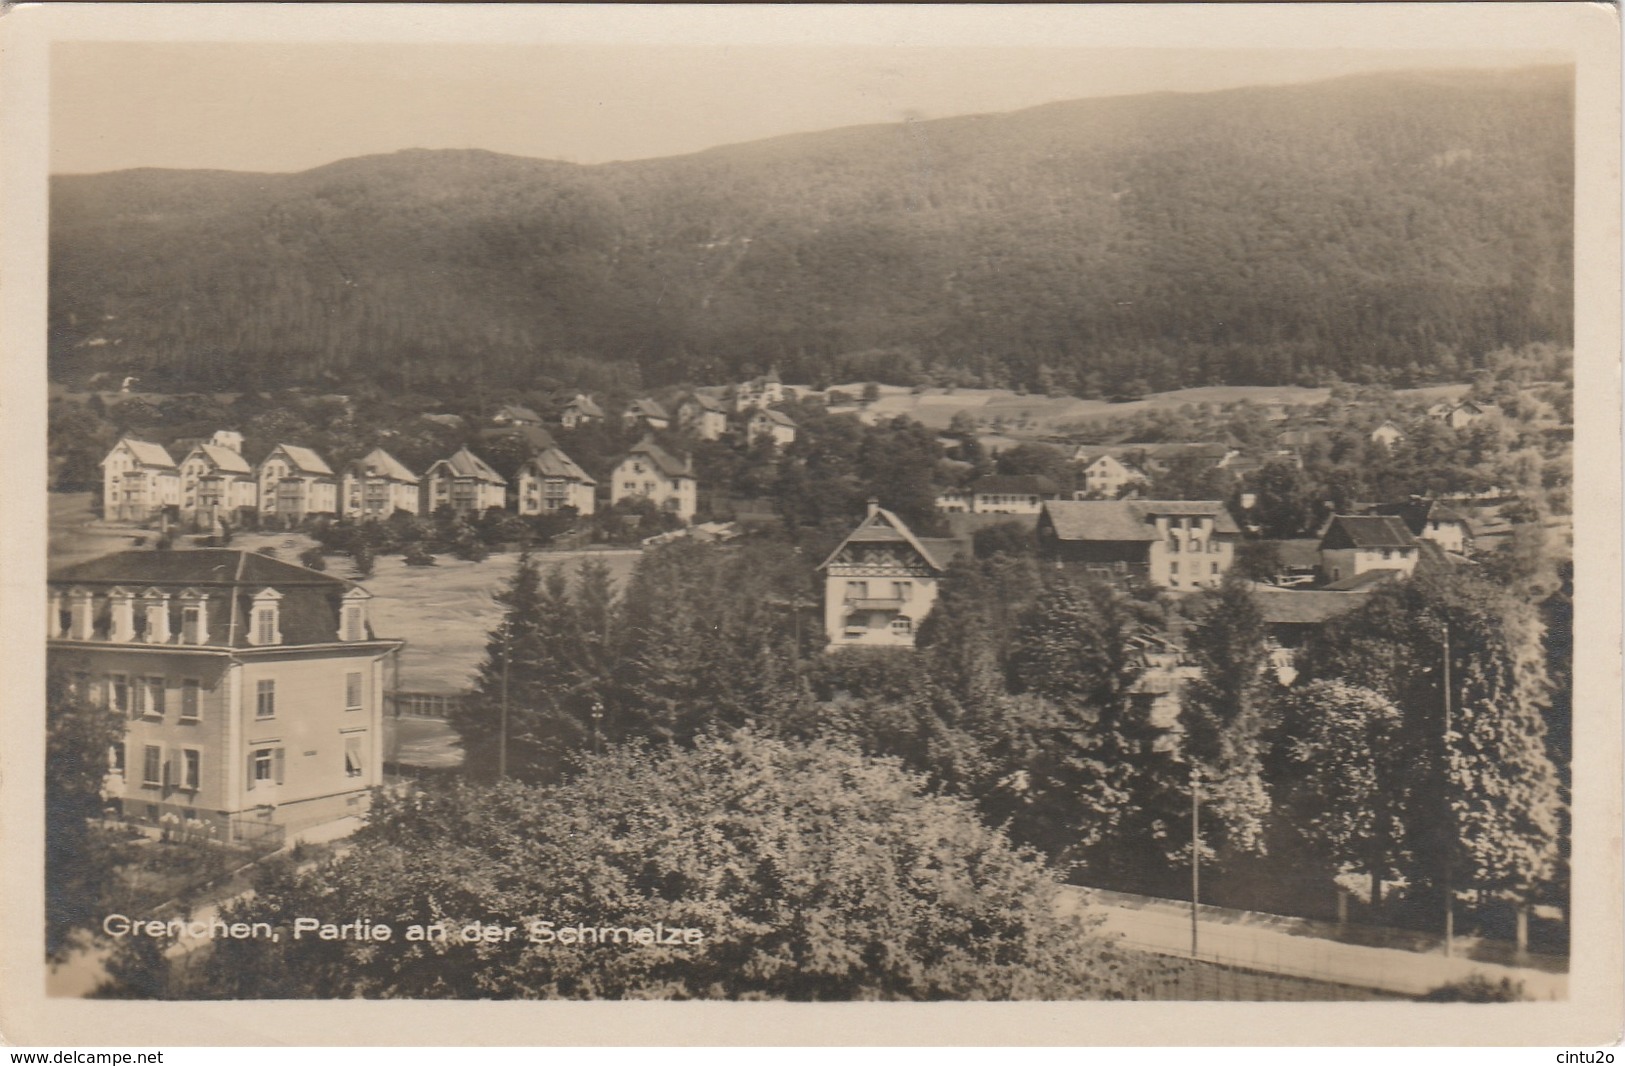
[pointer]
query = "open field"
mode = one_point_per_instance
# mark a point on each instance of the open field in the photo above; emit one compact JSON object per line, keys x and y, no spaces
{"x":445,"y":612}
{"x":1045,"y":414}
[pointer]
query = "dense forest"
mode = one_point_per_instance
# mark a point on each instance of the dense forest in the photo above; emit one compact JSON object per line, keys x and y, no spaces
{"x":1391,"y":227}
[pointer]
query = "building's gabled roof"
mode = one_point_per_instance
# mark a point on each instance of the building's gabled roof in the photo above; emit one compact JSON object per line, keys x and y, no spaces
{"x":1364,"y":581}
{"x":584,"y":405}
{"x":466,"y":464}
{"x":647,"y":409}
{"x":882,"y":526}
{"x":379,"y":463}
{"x":661,"y":459}
{"x":1366,"y":531}
{"x":1416,"y":513}
{"x":1128,"y":520}
{"x":146,"y":453}
{"x":512,"y":412}
{"x":1303,"y":607}
{"x":200,"y":567}
{"x":706,"y":402}
{"x":221,"y":458}
{"x":1474,"y":405}
{"x":535,"y":436}
{"x":553,"y":463}
{"x":778,"y":418}
{"x":303,"y":460}
{"x":1014,"y":485}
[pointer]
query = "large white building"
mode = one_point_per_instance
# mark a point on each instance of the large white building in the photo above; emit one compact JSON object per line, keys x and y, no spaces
{"x":139,"y":480}
{"x":377,"y":485}
{"x":296,"y":482}
{"x":653,"y":473}
{"x":550,"y":481}
{"x":251,"y":690}
{"x":881,"y":582}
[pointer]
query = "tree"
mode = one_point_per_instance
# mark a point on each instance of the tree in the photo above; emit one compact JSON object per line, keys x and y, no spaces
{"x":1343,"y":773}
{"x":523,"y":711}
{"x":1487,"y":807}
{"x":1285,"y":500}
{"x":78,"y":868}
{"x":809,"y":872}
{"x":1225,"y":708}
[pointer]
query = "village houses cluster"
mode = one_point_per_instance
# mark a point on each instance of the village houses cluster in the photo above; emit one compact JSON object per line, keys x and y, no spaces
{"x":254,"y":688}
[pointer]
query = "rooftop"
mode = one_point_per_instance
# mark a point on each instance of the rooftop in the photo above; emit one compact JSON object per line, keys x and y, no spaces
{"x":1129,"y":520}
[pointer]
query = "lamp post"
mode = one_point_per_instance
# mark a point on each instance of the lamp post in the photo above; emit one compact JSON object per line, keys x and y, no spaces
{"x":502,"y":735}
{"x":1449,"y":889}
{"x":597,"y":717}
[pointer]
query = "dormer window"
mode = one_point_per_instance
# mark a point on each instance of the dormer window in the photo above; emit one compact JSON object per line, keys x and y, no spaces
{"x":265,"y":622}
{"x":121,"y":612}
{"x":155,"y":606}
{"x":194,"y":617}
{"x":82,"y":616}
{"x":353,"y":615}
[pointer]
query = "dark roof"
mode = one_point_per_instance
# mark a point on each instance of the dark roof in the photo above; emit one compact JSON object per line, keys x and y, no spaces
{"x":221,"y":458}
{"x":1367,"y":531}
{"x":554,"y":463}
{"x":466,"y":464}
{"x":1128,"y":520}
{"x":1303,"y":607}
{"x":512,"y":412}
{"x":647,"y":409}
{"x":882,"y":526}
{"x":1014,"y":485}
{"x":1416,"y":513}
{"x":147,"y":453}
{"x":379,"y":463}
{"x":663,"y":460}
{"x":304,"y":460}
{"x":535,"y":436}
{"x":308,"y":608}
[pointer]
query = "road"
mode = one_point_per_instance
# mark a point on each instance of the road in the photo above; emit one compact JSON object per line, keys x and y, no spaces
{"x":1272,"y":944}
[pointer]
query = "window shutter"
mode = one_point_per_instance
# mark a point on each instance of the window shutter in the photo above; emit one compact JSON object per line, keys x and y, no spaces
{"x":251,"y":771}
{"x":277,"y":762}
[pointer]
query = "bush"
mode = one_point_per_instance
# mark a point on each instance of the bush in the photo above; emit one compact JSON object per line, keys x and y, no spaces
{"x":313,"y":559}
{"x":416,"y":555}
{"x":1478,"y":989}
{"x":363,"y":559}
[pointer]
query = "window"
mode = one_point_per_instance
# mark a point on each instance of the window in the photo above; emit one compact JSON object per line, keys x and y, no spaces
{"x":352,"y":691}
{"x":265,"y":625}
{"x":138,"y":697}
{"x":1173,"y":567}
{"x":902,"y":590}
{"x":118,"y":693}
{"x":191,"y":623}
{"x":191,"y":698}
{"x":265,"y":699}
{"x":354,"y":762}
{"x":152,"y":765}
{"x":353,"y":629}
{"x":115,"y":759}
{"x":191,"y":768}
{"x":1173,"y":544}
{"x":902,"y":626}
{"x":857,"y":590}
{"x":264,"y":767}
{"x":1215,"y":569}
{"x":1196,"y":544}
{"x":155,"y":697}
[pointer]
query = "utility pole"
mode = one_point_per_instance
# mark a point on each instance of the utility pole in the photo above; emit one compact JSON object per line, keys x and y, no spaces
{"x":1449,"y":889}
{"x":502,"y":735}
{"x":1196,"y":849}
{"x":597,"y":716}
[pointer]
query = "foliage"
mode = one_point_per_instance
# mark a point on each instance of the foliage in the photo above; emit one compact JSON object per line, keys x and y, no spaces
{"x":1478,"y":989}
{"x":77,"y":867}
{"x":811,"y":873}
{"x":313,"y":558}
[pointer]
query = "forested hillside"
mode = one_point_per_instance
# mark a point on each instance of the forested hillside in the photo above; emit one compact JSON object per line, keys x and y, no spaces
{"x":1385,"y":226}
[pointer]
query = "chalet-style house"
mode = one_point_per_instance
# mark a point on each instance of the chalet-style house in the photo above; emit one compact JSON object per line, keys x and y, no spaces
{"x":773,"y":425}
{"x":580,"y":410}
{"x":655,"y":474}
{"x":881,"y":582}
{"x":465,"y":483}
{"x":1433,"y":521}
{"x":377,"y":485}
{"x":1387,"y":435}
{"x":1463,"y":414}
{"x":139,"y":480}
{"x":252,"y":690}
{"x":646,"y":413}
{"x":704,"y":416}
{"x":1176,"y":544}
{"x":551,"y":481}
{"x":1358,"y":545}
{"x":1105,"y":475}
{"x":516,"y":415}
{"x":764,"y":391}
{"x":217,"y":484}
{"x":296,"y":482}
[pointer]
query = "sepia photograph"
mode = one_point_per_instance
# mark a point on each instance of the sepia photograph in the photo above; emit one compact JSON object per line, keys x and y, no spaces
{"x":646,"y":515}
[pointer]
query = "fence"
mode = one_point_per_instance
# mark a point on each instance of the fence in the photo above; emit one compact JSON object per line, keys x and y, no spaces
{"x":440,"y":705}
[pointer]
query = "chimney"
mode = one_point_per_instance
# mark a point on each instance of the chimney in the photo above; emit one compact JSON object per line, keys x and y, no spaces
{"x":874,"y":506}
